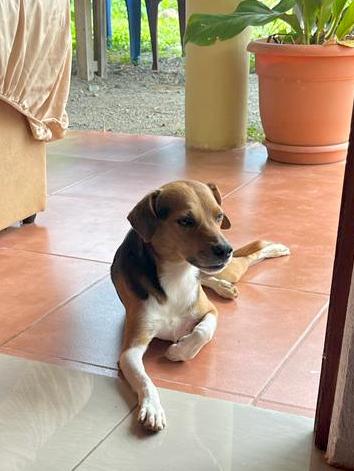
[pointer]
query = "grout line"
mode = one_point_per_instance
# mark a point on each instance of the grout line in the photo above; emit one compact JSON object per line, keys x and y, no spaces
{"x":99,"y":443}
{"x":160,"y":163}
{"x":290,"y":352}
{"x":50,"y":311}
{"x":70,"y":257}
{"x":296,"y":290}
{"x":84,"y":180}
{"x":152,"y":151}
{"x":82,"y":362}
{"x":108,"y":156}
{"x":285,"y":404}
{"x":236,"y":394}
{"x":230,"y":193}
{"x":53,"y":359}
{"x":202,"y":388}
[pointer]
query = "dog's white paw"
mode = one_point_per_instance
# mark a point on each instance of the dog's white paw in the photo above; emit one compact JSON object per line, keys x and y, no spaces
{"x":186,"y":348}
{"x":151,"y":415}
{"x":175,"y":353}
{"x":226,"y":289}
{"x":274,"y":250}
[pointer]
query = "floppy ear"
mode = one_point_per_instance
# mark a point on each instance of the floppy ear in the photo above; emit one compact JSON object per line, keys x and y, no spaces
{"x":215,"y":191}
{"x":143,"y":217}
{"x":226,"y":224}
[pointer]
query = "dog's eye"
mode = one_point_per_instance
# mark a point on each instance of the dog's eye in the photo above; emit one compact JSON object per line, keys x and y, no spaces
{"x":186,"y":221}
{"x":219,"y":218}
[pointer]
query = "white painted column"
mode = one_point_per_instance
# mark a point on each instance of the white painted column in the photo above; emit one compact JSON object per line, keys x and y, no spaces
{"x":340,"y":449}
{"x":216,"y":86}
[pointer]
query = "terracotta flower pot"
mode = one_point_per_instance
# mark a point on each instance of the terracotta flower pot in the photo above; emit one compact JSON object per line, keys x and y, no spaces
{"x":306,"y":97}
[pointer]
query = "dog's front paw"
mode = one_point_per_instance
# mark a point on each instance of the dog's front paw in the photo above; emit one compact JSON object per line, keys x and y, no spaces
{"x":176,"y":353}
{"x":151,"y":415}
{"x":226,"y":289}
{"x":186,"y":348}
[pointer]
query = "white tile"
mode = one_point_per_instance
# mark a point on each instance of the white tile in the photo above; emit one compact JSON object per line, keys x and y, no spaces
{"x":51,"y":417}
{"x":56,"y":419}
{"x":207,"y":434}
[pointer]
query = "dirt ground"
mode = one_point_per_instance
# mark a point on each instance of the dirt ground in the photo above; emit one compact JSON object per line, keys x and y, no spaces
{"x":136,"y":100}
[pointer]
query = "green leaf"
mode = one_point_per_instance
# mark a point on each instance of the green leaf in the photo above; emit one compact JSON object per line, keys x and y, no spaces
{"x":324,"y":16}
{"x":310,"y":10}
{"x":205,"y":29}
{"x":282,"y":7}
{"x":337,"y":10}
{"x":298,"y":11}
{"x":293,"y":21}
{"x":346,"y":23}
{"x":338,"y":7}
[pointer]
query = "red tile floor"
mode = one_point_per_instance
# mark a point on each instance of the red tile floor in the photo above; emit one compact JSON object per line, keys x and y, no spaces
{"x":57,"y":302}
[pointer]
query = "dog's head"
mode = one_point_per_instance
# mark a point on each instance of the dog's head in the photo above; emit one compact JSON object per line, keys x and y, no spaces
{"x":183,"y":221}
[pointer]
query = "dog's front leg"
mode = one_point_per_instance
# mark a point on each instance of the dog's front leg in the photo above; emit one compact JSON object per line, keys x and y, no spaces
{"x":190,"y":345}
{"x":150,"y":412}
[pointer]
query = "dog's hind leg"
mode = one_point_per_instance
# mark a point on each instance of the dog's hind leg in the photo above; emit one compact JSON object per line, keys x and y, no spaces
{"x":242,"y":260}
{"x":262,"y":249}
{"x":249,"y":255}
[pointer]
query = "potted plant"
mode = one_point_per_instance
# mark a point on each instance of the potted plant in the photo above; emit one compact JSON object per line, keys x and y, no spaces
{"x":306,"y":77}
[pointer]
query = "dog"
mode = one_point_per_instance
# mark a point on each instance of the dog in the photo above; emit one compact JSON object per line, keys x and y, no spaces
{"x":175,"y":247}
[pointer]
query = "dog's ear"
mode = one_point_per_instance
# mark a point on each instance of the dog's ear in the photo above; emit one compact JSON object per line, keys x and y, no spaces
{"x":216,"y":192}
{"x":143,"y":217}
{"x":226,"y":224}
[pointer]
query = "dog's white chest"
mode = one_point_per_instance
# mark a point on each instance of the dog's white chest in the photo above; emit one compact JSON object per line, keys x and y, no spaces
{"x":177,"y":316}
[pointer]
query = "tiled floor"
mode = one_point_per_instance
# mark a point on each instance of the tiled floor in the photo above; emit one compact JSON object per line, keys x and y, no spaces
{"x":66,"y":420}
{"x":57,"y":302}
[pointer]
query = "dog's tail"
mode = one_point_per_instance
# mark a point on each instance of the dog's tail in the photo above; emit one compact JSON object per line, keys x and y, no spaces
{"x":251,"y":248}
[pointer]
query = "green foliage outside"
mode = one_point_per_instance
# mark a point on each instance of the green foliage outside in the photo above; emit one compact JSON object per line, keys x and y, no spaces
{"x":168,"y":38}
{"x":255,"y":133}
{"x":168,"y":30}
{"x":310,"y":21}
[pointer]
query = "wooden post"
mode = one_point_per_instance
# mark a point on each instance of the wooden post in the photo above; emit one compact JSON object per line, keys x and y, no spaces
{"x":340,"y":449}
{"x":100,"y":36}
{"x":338,"y":306}
{"x":84,"y":39}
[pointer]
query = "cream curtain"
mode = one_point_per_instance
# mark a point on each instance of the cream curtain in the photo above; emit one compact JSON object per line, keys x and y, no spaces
{"x":35,"y":62}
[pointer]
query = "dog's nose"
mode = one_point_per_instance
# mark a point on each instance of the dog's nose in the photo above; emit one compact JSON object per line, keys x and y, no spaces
{"x":222,"y":250}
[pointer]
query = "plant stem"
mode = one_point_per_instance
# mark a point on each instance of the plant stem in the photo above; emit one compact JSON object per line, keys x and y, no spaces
{"x":307,"y":30}
{"x":333,"y":28}
{"x":307,"y":35}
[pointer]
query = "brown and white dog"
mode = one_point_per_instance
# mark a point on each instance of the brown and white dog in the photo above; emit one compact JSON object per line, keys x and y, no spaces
{"x":174,"y":247}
